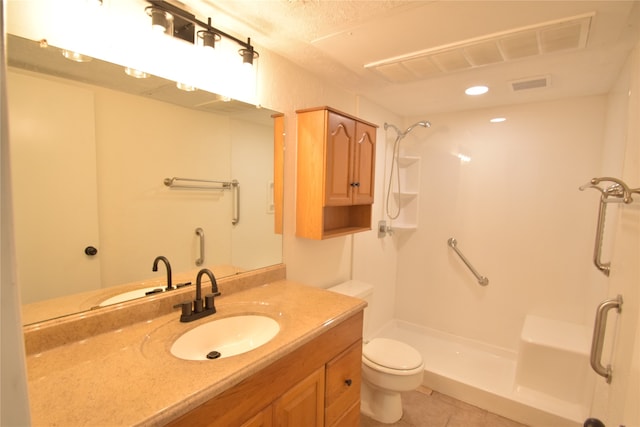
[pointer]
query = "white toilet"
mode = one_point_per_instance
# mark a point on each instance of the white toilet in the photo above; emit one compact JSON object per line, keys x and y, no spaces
{"x":388,"y":366}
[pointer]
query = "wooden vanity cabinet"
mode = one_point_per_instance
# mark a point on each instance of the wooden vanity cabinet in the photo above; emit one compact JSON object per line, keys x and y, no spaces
{"x":335,"y":173}
{"x":316,"y":385}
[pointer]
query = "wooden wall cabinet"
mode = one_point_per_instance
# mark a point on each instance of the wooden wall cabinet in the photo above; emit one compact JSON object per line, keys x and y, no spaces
{"x":317,"y":385}
{"x":335,"y":173}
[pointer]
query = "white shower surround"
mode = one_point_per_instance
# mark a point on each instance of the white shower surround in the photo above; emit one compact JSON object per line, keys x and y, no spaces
{"x":519,"y":217}
{"x":517,"y":214}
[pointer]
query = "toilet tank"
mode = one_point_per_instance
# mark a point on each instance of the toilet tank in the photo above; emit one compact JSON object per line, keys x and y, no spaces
{"x":357,"y":289}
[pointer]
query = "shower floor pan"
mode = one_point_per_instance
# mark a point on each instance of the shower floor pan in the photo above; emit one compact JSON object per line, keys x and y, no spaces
{"x":484,"y":376}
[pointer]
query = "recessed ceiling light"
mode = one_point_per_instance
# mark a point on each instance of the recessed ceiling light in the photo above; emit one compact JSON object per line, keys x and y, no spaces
{"x":135,"y":73}
{"x":185,"y":87}
{"x":75,"y":56}
{"x":476,"y":90}
{"x":498,"y":119}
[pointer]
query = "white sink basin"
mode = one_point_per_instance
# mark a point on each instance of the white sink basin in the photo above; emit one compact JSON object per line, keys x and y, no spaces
{"x":126,"y":296}
{"x":225,"y":337}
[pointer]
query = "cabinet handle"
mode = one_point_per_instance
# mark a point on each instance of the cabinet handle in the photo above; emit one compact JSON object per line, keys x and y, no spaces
{"x":348,"y":382}
{"x":355,"y":184}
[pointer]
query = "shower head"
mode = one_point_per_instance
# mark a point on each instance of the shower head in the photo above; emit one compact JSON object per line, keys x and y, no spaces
{"x":395,"y":163}
{"x":423,"y":123}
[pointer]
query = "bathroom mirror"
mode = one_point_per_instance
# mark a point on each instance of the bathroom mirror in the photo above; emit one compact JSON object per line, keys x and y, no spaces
{"x":91,"y":150}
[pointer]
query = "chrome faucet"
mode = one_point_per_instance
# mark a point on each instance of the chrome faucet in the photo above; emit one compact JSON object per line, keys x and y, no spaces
{"x":197,"y":309}
{"x":166,"y":263}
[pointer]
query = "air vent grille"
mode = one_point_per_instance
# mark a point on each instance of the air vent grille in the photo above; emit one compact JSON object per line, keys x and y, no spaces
{"x":546,"y":38}
{"x":530,"y":83}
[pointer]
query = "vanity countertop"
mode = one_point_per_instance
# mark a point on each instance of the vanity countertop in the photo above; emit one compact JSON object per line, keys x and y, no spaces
{"x":129,"y":377}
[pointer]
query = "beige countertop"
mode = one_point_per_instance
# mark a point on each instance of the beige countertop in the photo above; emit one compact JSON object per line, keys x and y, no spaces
{"x":129,"y":377}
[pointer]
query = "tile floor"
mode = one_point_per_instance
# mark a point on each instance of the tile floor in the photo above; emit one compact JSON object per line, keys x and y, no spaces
{"x":426,"y":408}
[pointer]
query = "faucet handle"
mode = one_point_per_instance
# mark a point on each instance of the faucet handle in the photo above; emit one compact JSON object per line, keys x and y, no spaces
{"x":186,"y":306}
{"x":209,"y":302}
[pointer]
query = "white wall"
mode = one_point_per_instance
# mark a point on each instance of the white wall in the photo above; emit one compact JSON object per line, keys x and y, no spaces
{"x":375,"y":259}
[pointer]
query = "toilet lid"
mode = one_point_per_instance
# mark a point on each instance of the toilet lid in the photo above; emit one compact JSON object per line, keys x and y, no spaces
{"x":392,"y":354}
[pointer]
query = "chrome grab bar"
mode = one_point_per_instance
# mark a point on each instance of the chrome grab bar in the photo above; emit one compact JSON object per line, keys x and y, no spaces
{"x":235,"y":187}
{"x":200,"y":184}
{"x":599,"y":330}
{"x":604,"y":267}
{"x":207,"y":184}
{"x":617,"y":192}
{"x":200,"y":234}
{"x":482,"y":280}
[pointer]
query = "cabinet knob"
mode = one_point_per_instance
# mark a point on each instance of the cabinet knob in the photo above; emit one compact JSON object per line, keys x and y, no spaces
{"x":90,"y":250}
{"x":355,"y":184}
{"x":348,"y":382}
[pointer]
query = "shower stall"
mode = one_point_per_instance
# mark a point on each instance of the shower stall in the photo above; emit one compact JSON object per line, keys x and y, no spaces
{"x":509,"y":192}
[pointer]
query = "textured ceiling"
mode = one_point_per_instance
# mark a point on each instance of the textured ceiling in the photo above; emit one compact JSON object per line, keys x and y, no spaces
{"x":336,"y":39}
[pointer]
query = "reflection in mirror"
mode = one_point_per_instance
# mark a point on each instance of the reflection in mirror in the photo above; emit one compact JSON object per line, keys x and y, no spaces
{"x":90,"y":150}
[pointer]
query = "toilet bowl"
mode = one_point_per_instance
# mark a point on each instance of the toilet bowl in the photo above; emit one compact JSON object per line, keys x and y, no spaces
{"x":389,"y":367}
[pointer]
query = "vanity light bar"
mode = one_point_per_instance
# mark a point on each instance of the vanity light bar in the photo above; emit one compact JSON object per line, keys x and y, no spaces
{"x":187,"y":18}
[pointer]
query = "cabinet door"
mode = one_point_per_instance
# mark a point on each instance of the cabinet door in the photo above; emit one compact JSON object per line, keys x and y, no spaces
{"x":55,"y":198}
{"x":263,"y":418}
{"x":364,"y":164}
{"x":303,"y":404}
{"x":339,"y":153}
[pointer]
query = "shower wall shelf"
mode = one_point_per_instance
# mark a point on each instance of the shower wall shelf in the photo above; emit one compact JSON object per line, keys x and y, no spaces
{"x":408,"y":198}
{"x":406,"y":161}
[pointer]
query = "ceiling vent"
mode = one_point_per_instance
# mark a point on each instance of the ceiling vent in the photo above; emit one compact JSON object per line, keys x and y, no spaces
{"x":530,"y":83}
{"x":549,"y":37}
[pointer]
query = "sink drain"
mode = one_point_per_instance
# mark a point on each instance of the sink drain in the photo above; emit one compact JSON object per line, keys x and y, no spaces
{"x":213,"y":354}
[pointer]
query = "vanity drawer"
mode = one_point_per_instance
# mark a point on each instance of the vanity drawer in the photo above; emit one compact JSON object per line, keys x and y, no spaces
{"x":342,"y":384}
